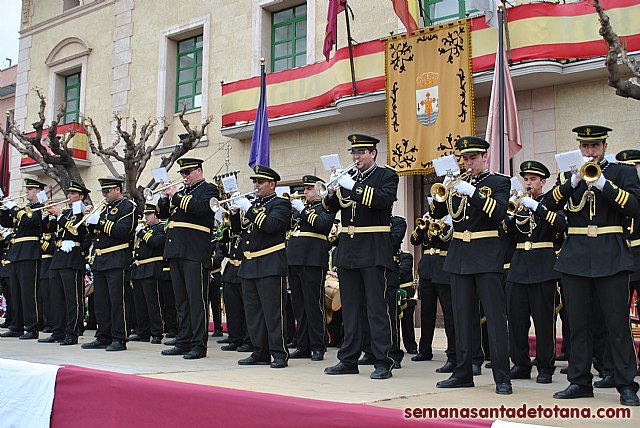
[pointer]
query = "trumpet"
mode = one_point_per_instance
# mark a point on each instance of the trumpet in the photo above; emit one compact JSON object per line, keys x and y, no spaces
{"x":216,"y":204}
{"x":514,"y":203}
{"x":590,"y":172}
{"x":149,"y":193}
{"x":74,"y":227}
{"x":45,"y":207}
{"x":426,"y":221}
{"x":323,"y":188}
{"x":440,"y":192}
{"x":293,"y":196}
{"x":18,"y":199}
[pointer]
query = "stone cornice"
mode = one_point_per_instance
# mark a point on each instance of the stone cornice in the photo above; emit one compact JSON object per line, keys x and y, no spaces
{"x":66,"y":16}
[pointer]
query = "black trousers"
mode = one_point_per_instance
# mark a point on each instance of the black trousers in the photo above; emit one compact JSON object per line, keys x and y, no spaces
{"x":130,"y":305}
{"x":307,"y":299}
{"x":264,"y":304}
{"x":215,"y":282}
{"x":635,"y":285}
{"x":24,"y":288}
{"x":6,"y":292}
{"x":190,"y":285}
{"x":407,"y":326}
{"x":168,"y":304}
{"x":537,"y":301}
{"x":430,"y":293}
{"x":48,"y":308}
{"x":67,"y":287}
{"x":234,"y":305}
{"x":148,"y":315}
{"x":612,"y":294}
{"x":365,"y":288}
{"x":566,"y":342}
{"x":488,"y":287}
{"x":108,"y":291}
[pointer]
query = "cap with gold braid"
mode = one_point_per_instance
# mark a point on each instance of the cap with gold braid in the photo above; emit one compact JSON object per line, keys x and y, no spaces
{"x":149,"y":209}
{"x":471,"y":145}
{"x":630,"y":156}
{"x":74,"y":186}
{"x":310,"y":180}
{"x":32,"y":182}
{"x":261,"y":171}
{"x":591,"y":132}
{"x":189,"y":163}
{"x":110,"y":183}
{"x":534,"y":167}
{"x":361,"y":141}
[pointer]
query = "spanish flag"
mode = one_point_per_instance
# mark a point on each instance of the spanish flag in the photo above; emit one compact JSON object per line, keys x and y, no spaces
{"x":408,"y":12}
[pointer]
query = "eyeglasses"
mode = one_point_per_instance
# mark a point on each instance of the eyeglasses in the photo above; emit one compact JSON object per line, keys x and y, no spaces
{"x":259,"y":180}
{"x":359,"y":151}
{"x":186,"y":171}
{"x":105,"y":191}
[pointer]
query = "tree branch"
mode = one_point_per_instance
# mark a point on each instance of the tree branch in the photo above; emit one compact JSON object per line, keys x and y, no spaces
{"x":99,"y":150}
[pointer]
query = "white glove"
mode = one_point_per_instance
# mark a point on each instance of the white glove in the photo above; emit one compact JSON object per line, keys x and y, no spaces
{"x":465,"y":188}
{"x":243,"y":203}
{"x":334,"y":174}
{"x":346,"y":181}
{"x":600,"y":182}
{"x":93,"y":218}
{"x":9,"y":205}
{"x":6,"y":233}
{"x":233,"y":209}
{"x":139,"y":227}
{"x":67,"y":246}
{"x":297,"y":205}
{"x":429,"y":200}
{"x":448,"y":221}
{"x":530,"y":203}
{"x":575,"y":180}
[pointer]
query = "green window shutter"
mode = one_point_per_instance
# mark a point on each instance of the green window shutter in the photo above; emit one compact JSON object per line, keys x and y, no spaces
{"x":71,"y":98}
{"x":189,"y":74}
{"x":289,"y":38}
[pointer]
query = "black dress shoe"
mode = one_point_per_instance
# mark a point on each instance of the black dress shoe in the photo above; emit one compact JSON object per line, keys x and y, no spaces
{"x":156,"y":340}
{"x":381,"y":373}
{"x":504,"y":389}
{"x":195,"y":354}
{"x":292,"y":345}
{"x":366,"y":361}
{"x":278,"y":363}
{"x":447,"y":368}
{"x":175,"y":351}
{"x":69,"y":340}
{"x":245,"y":348}
{"x":454,"y":382}
{"x":412,"y":351}
{"x":477,"y":369}
{"x":96,"y":344}
{"x":217,"y":333}
{"x":340,"y":369}
{"x":518,"y":372}
{"x":251,"y":361}
{"x":29,"y":335}
{"x":564,"y":370}
{"x":397,"y":364}
{"x":5,"y":325}
{"x":225,"y":340}
{"x":422,"y":357}
{"x":170,"y":335}
{"x":47,"y":330}
{"x":11,"y":333}
{"x":562,"y":357}
{"x":50,"y":339}
{"x":544,"y":378}
{"x":138,"y":338}
{"x":574,"y":391}
{"x":629,"y":398}
{"x":488,"y":365}
{"x":171,"y":342}
{"x":317,"y":355}
{"x":229,"y":347}
{"x":300,"y":354}
{"x":116,"y":345}
{"x":606,"y":382}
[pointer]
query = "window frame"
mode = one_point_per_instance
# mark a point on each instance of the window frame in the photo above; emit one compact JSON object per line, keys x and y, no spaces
{"x":67,"y":88}
{"x":293,"y":22}
{"x":462,"y":11}
{"x":194,"y":77}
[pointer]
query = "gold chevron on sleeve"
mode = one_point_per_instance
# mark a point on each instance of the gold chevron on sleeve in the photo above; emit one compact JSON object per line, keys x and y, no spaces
{"x":260,"y":219}
{"x":622,"y":197}
{"x":557,"y":195}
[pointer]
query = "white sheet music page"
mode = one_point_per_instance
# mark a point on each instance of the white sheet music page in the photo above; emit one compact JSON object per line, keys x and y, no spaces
{"x":568,"y":160}
{"x":446,"y":165}
{"x":331,"y":162}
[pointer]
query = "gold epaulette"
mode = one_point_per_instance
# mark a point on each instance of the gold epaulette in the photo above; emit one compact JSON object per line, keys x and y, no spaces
{"x":391,"y":168}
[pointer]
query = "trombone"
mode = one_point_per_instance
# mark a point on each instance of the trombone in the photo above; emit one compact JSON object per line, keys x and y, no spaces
{"x":149,"y":193}
{"x":19,"y":199}
{"x":216,"y":204}
{"x":323,"y":188}
{"x":45,"y":207}
{"x":74,"y":227}
{"x":440,"y":192}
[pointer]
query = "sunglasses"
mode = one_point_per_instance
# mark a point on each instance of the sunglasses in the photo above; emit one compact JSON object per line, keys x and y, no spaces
{"x":187,"y":171}
{"x":259,"y":180}
{"x":105,"y":191}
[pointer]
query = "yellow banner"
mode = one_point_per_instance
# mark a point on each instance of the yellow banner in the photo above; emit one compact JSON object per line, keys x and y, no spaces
{"x":429,"y":95}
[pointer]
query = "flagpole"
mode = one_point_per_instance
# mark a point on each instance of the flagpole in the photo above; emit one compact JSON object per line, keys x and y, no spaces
{"x":501,"y":83}
{"x":353,"y":69}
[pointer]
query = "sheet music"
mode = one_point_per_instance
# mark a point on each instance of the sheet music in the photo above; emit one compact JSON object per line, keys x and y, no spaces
{"x":516,"y":185}
{"x":280,"y":190}
{"x":567,"y":161}
{"x":160,"y":175}
{"x":446,"y":165}
{"x":230,"y":184}
{"x":331,"y":162}
{"x":77,"y":207}
{"x":42,"y":196}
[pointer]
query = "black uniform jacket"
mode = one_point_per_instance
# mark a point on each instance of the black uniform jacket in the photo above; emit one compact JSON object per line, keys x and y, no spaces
{"x":601,"y":254}
{"x":632,"y":233}
{"x":147,"y":255}
{"x":47,"y":248}
{"x":482,"y":212}
{"x":308,"y":244}
{"x":531,"y":265}
{"x":433,"y":248}
{"x":5,"y":244}
{"x":263,"y":239}
{"x":373,"y":196}
{"x":406,"y":273}
{"x":27,"y":231}
{"x":75,"y":259}
{"x":113,"y":236}
{"x":190,"y":222}
{"x":232,"y":250}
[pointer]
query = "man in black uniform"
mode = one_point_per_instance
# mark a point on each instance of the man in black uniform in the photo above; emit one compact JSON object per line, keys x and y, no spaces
{"x":407,"y":296}
{"x":112,"y":229}
{"x":47,"y":248}
{"x":5,"y":243}
{"x":215,"y":284}
{"x":531,"y":281}
{"x":364,"y":256}
{"x":24,"y":256}
{"x":595,"y":262}
{"x":66,"y":272}
{"x":264,"y":267}
{"x":475,"y":260}
{"x":188,"y":249}
{"x":145,"y":275}
{"x":308,"y":257}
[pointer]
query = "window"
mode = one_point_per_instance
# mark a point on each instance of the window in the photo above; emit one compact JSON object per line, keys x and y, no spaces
{"x":189,"y":73}
{"x":289,"y":38}
{"x":71,"y":98}
{"x":445,"y":10}
{"x":69,"y":4}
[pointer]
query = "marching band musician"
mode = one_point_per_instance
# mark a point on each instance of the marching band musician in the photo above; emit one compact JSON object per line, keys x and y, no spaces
{"x":66,"y":272}
{"x":24,"y":256}
{"x":407,"y":290}
{"x":364,"y":255}
{"x":188,"y":249}
{"x":595,"y":262}
{"x":146,"y":274}
{"x":531,"y":281}
{"x":475,"y":262}
{"x":308,"y":259}
{"x":263,"y":269}
{"x":5,"y":244}
{"x":215,"y":284}
{"x":112,"y":229}
{"x":47,"y":248}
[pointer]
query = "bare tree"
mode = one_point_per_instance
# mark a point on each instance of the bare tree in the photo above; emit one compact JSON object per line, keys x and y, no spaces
{"x":625,"y":86}
{"x":54,"y":156}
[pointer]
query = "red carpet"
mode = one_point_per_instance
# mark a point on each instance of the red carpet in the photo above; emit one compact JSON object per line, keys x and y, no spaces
{"x":95,"y":398}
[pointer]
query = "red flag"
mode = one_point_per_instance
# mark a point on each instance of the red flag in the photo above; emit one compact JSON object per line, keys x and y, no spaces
{"x":407,"y":11}
{"x":331,"y":34}
{"x":512,"y":140}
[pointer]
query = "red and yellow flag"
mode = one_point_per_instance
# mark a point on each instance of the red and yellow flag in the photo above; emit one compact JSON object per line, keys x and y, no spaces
{"x":408,"y":12}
